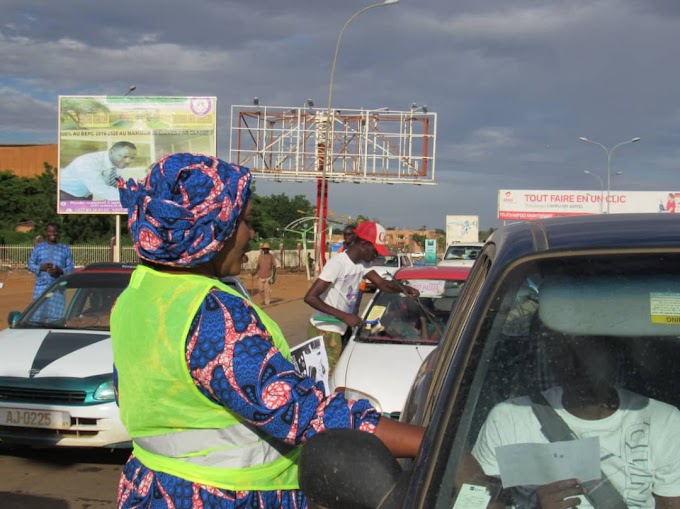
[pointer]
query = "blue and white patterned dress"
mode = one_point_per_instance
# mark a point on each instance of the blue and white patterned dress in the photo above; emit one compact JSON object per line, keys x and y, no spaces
{"x":285,"y":404}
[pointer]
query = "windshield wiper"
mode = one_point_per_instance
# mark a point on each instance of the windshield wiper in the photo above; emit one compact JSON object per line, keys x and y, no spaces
{"x":42,"y":325}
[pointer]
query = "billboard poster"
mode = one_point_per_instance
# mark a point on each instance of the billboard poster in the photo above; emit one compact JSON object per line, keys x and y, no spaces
{"x":522,"y":204}
{"x":104,"y":137}
{"x":462,"y":229}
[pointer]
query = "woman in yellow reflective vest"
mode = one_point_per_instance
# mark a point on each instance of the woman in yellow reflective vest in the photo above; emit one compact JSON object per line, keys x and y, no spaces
{"x":206,"y":389}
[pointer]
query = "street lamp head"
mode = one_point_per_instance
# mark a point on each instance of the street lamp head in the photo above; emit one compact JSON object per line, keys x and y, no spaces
{"x":635,"y":139}
{"x":587,"y":172}
{"x":583,"y":138}
{"x":130,"y":90}
{"x":390,"y":2}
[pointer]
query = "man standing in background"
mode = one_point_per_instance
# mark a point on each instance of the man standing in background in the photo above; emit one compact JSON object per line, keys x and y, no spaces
{"x":348,"y":236}
{"x":265,"y":272}
{"x":49,"y":260}
{"x":93,"y":176}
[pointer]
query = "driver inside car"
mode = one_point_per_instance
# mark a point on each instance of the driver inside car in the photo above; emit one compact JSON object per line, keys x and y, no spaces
{"x":411,"y":321}
{"x":638,"y":436}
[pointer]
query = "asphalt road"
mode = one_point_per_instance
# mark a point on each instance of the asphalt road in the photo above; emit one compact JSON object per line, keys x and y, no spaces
{"x":67,"y":479}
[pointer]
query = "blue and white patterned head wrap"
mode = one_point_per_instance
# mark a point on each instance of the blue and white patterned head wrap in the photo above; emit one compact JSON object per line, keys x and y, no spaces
{"x":184,"y":211}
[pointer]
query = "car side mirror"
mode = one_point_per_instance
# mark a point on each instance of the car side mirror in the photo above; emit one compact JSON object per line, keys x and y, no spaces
{"x":13,"y":317}
{"x":348,"y":469}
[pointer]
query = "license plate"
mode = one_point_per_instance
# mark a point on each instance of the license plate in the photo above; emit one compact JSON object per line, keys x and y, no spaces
{"x":34,"y":419}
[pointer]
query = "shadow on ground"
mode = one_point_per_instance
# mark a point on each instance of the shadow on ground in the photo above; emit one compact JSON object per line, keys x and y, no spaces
{"x":20,"y":501}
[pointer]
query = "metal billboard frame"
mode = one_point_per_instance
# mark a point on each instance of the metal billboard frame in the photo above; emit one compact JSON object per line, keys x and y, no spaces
{"x":367,"y":145}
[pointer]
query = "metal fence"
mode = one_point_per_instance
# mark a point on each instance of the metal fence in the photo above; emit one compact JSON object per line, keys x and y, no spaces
{"x":16,"y":256}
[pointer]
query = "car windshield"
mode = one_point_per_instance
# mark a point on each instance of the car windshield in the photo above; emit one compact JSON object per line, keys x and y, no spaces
{"x":76,"y":301}
{"x":574,"y":347}
{"x":385,"y":261}
{"x":462,"y":252}
{"x":396,"y":318}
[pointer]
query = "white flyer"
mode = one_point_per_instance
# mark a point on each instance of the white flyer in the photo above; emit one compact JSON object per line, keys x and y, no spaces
{"x":538,"y":464}
{"x":311,"y":359}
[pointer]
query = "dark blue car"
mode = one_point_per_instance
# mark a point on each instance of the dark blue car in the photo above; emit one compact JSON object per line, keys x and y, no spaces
{"x":556,"y":383}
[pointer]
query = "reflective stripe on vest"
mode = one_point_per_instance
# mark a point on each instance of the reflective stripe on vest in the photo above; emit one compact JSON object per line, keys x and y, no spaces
{"x":239,"y":446}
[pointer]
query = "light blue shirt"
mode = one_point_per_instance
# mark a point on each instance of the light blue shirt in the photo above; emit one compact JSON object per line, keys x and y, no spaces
{"x":58,"y":254}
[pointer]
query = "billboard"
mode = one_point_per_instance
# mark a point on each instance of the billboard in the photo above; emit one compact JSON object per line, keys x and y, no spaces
{"x":523,"y":204}
{"x":103,"y":137}
{"x":462,"y":229}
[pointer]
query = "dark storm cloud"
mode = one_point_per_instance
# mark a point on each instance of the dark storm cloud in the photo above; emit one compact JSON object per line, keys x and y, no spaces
{"x":514,"y":84}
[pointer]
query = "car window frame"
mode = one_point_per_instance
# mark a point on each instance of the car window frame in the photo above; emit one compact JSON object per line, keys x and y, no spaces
{"x":427,"y":463}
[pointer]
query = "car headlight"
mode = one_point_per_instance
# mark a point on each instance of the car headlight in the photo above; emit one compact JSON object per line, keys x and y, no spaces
{"x":105,"y":392}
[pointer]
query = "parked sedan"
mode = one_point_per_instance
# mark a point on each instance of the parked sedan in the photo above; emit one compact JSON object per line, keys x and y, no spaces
{"x":56,"y":376}
{"x":382,"y":358}
{"x":56,"y":386}
{"x":556,"y":382}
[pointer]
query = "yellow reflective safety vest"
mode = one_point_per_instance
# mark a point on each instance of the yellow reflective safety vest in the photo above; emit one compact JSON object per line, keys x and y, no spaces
{"x":174,"y":427}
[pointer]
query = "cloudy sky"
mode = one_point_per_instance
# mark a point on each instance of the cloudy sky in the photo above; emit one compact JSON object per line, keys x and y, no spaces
{"x":514,"y":83}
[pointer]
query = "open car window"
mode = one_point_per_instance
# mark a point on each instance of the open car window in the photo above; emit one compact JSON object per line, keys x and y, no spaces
{"x":396,"y":318}
{"x":574,"y":377}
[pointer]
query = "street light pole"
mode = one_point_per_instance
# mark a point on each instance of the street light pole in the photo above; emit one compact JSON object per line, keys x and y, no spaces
{"x":117,"y":249}
{"x":609,"y":159}
{"x":322,"y":198}
{"x":587,"y":172}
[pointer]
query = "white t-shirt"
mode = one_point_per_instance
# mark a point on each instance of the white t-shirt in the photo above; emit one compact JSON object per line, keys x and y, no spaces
{"x":345,"y":278}
{"x":88,"y":175}
{"x":639,"y":443}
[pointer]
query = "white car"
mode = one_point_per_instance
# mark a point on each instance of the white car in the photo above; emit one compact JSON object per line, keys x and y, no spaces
{"x":461,"y":254}
{"x":56,"y":385}
{"x":386,"y":266}
{"x":381,"y":359}
{"x":56,"y":363}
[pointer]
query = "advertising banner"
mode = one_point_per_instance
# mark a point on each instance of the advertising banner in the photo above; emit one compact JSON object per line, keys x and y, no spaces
{"x":104,"y":137}
{"x":462,"y":229}
{"x":522,"y":204}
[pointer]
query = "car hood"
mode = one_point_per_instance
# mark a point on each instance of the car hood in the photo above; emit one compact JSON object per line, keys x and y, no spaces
{"x":38,"y":353}
{"x":383,"y":371}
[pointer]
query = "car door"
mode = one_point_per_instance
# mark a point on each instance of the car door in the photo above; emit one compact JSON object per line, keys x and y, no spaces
{"x":440,"y":373}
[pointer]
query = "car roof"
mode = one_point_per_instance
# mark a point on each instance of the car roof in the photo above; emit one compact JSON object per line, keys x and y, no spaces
{"x":609,"y":232}
{"x":433,"y":272}
{"x":108,"y":267}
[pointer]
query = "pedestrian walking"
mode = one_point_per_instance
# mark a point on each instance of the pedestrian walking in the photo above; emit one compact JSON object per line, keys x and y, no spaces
{"x":265,"y":272}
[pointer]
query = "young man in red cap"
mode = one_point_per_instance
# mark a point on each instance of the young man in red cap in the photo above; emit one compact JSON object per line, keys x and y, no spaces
{"x":336,"y":292}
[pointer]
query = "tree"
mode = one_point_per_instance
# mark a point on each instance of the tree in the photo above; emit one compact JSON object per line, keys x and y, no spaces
{"x":419,"y":239}
{"x":35,"y":199}
{"x":73,"y":109}
{"x":275,"y":212}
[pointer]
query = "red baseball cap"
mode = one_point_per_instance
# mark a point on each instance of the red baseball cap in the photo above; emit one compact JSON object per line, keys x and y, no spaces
{"x":373,"y":233}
